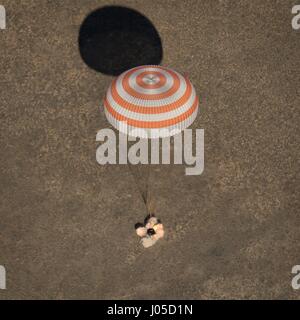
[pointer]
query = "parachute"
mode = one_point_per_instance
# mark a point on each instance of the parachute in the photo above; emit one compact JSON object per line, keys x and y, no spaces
{"x":150,"y":102}
{"x":153,"y":101}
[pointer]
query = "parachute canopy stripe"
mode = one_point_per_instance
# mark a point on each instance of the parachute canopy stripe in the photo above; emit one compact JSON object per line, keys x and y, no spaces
{"x":152,"y":124}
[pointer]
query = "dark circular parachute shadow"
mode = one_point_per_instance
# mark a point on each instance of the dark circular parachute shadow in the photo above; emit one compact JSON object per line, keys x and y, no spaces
{"x":114,"y":39}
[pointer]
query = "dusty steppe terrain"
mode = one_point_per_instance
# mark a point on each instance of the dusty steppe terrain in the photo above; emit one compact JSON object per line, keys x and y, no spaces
{"x":66,"y":228}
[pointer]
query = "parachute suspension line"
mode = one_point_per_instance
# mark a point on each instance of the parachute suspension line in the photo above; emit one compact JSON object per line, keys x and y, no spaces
{"x":143,"y":190}
{"x":148,"y":199}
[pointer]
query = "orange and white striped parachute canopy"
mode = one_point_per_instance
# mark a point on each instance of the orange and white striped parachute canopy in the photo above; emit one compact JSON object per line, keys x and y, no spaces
{"x":151,"y":102}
